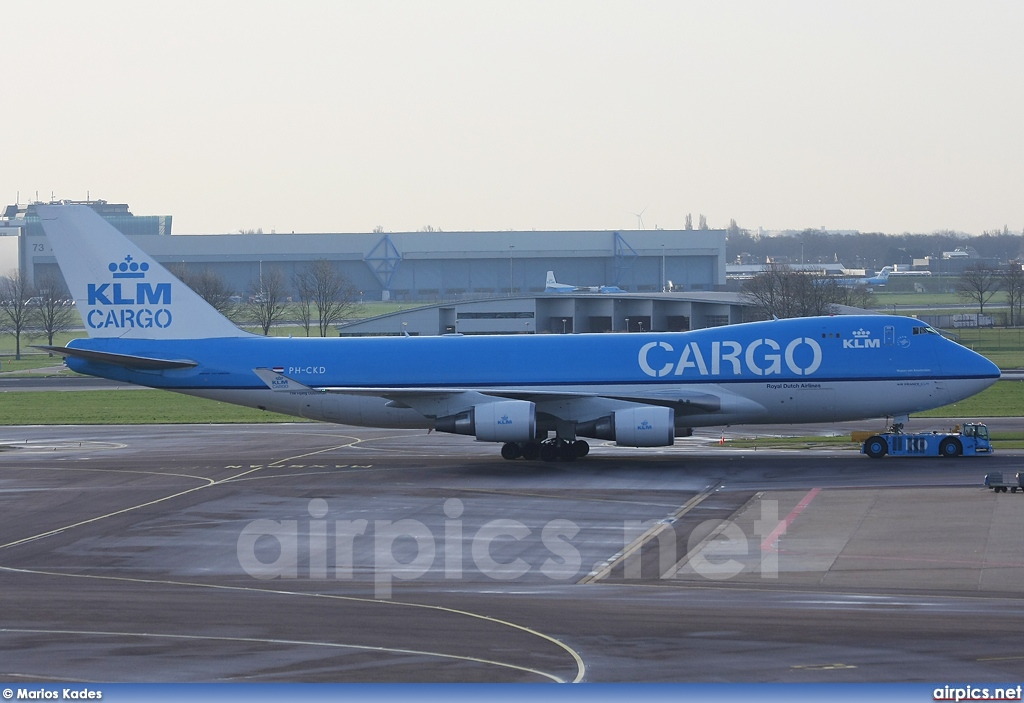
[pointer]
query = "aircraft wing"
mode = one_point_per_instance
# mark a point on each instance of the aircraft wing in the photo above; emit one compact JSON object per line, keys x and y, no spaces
{"x":432,"y":401}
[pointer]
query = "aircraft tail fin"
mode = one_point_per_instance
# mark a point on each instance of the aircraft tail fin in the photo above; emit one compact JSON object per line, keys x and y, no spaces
{"x":551,"y":280}
{"x":120,"y":290}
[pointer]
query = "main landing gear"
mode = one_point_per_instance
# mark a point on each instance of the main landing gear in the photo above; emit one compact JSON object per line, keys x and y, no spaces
{"x":546,"y":450}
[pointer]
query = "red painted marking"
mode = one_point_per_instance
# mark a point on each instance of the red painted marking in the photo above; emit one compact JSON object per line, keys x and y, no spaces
{"x":768,"y":545}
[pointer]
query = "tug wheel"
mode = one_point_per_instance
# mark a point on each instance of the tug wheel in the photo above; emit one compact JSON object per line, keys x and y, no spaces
{"x":876,"y":447}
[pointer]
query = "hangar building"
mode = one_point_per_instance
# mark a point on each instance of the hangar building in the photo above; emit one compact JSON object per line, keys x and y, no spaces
{"x":420,"y":266}
{"x":562,"y":314}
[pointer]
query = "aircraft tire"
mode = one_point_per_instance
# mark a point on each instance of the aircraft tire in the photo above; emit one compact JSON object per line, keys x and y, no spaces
{"x":950,"y":447}
{"x":548,"y":452}
{"x":567,"y":451}
{"x":876,"y":447}
{"x":511,"y":451}
{"x":530,"y":451}
{"x":582,"y":448}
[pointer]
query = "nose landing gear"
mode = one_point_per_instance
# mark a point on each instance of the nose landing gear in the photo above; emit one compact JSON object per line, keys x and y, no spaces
{"x":547,"y":450}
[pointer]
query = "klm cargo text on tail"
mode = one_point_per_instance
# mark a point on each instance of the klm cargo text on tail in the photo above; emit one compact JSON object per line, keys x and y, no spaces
{"x":117,"y":304}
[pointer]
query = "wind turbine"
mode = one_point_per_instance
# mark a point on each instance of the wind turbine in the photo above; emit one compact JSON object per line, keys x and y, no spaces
{"x":640,"y":216}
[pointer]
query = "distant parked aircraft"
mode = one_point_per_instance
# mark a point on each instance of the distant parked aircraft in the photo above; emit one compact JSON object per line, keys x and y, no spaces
{"x":881,"y":278}
{"x":553,"y":286}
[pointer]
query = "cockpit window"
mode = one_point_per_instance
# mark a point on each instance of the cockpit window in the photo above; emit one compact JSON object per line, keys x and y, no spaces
{"x":925,"y":329}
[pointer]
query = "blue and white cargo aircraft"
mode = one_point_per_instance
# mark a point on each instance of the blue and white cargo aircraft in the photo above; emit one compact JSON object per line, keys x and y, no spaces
{"x":537,"y":395}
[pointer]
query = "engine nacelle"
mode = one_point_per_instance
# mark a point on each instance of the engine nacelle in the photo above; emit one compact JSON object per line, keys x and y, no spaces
{"x":500,"y":421}
{"x":648,"y":426}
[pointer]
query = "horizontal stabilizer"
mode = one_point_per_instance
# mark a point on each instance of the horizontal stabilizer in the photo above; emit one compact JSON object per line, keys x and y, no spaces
{"x":128,"y":361}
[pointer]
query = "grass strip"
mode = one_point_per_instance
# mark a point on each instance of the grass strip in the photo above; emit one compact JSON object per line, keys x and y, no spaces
{"x":1001,"y":399}
{"x":128,"y":407}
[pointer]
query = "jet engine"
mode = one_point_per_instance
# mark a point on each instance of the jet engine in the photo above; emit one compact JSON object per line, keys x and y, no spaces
{"x":646,"y":426}
{"x":500,"y":421}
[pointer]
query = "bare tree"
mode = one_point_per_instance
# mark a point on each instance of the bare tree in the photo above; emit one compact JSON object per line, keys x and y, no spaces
{"x":303,"y":284}
{"x":702,"y":222}
{"x":1013,"y":284}
{"x":821,"y":295}
{"x":784,"y":292}
{"x":181,"y":272}
{"x":16,"y":311}
{"x":208,"y":285}
{"x":211,"y":287}
{"x":322,"y":286}
{"x":266,"y":304}
{"x":978,"y":284}
{"x":689,"y":221}
{"x":859,"y":296}
{"x":53,"y":307}
{"x":769,"y":292}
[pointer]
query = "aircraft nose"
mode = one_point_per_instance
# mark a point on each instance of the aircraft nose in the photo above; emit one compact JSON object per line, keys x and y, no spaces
{"x":980,"y":366}
{"x":992,"y":369}
{"x":972,"y":373}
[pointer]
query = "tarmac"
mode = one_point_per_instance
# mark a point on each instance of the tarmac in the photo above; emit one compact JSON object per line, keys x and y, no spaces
{"x":312,"y":552}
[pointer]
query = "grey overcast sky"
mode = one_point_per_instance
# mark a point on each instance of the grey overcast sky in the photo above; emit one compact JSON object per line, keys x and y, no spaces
{"x":311,"y":116}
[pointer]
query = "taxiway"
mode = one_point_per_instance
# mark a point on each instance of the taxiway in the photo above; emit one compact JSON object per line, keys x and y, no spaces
{"x":307,"y":552}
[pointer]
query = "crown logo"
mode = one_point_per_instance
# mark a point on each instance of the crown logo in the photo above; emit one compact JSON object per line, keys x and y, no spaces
{"x":128,"y":268}
{"x":861,"y":334}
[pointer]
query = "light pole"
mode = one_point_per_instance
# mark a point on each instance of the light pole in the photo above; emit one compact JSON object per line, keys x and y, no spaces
{"x":563,"y":325}
{"x":662,"y":268}
{"x":511,"y":277}
{"x":627,"y":324}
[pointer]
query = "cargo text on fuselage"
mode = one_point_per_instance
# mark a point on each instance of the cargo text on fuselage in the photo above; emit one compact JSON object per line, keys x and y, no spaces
{"x":761,"y":357}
